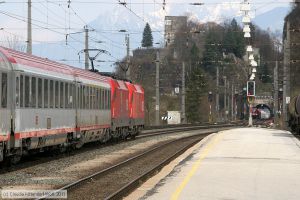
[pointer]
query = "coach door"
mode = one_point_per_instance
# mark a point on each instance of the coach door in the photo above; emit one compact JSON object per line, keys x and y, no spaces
{"x":6,"y":103}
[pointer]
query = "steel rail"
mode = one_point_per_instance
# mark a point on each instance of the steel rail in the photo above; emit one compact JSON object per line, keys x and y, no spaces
{"x":181,"y":129}
{"x":127,"y":161}
{"x":136,"y":182}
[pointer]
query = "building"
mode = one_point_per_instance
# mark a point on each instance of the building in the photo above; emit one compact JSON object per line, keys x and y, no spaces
{"x":173,"y":25}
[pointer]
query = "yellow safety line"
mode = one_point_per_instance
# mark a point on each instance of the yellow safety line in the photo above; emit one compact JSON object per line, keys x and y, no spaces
{"x":191,"y":173}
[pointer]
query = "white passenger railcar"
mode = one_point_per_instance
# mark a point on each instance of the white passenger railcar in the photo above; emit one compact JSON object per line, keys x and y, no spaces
{"x":47,"y":104}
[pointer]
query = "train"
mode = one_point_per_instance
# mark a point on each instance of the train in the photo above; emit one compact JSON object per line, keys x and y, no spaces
{"x":47,"y":105}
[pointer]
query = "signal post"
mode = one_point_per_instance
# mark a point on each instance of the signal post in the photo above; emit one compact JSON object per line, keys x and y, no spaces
{"x":251,"y":99}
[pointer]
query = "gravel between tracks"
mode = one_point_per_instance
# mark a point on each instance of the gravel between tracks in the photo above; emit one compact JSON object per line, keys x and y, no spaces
{"x":103,"y":186}
{"x":62,"y":171}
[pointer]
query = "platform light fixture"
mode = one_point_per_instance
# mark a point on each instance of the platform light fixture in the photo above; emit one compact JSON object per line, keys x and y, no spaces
{"x":253,"y":63}
{"x":246,"y":19}
{"x":247,"y":35}
{"x":246,"y":29}
{"x":251,"y":57}
{"x":245,"y":7}
{"x":249,"y":48}
{"x":252,"y":77}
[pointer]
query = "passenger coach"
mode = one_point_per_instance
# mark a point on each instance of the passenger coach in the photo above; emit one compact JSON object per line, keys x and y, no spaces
{"x":45,"y":104}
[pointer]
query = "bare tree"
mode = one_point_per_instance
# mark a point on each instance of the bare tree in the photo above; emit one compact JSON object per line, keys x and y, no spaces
{"x":14,"y":42}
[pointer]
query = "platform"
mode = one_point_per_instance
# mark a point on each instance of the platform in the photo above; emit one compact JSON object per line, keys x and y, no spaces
{"x":245,"y":163}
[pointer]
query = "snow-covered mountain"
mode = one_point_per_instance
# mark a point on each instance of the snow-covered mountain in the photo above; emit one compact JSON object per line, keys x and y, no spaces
{"x":107,"y":25}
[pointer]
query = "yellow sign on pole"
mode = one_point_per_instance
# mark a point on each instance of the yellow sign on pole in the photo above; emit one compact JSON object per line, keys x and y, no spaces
{"x":251,"y":99}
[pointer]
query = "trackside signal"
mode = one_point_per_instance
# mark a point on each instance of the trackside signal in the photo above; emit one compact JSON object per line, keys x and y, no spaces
{"x":250,"y":88}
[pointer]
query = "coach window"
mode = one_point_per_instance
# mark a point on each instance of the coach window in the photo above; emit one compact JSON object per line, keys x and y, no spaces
{"x":17,"y":91}
{"x":4,"y":90}
{"x":102,"y":99}
{"x":97,"y":99}
{"x":61,"y":94}
{"x":84,"y":94}
{"x":90,"y":98}
{"x":82,"y":97}
{"x":87,"y":101}
{"x":72,"y":99}
{"x":51,"y":94}
{"x":56,"y":94}
{"x":21,"y":91}
{"x":79,"y":100}
{"x":27,"y":92}
{"x":40,"y":93}
{"x":94,"y":98}
{"x":89,"y":106}
{"x":33,"y":92}
{"x":66,"y":95}
{"x":46,"y":93}
{"x":109,"y":99}
{"x":69,"y":105}
{"x":106,"y":99}
{"x":92,"y":104}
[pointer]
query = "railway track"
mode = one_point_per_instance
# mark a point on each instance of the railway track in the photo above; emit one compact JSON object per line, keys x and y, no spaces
{"x":120,"y":179}
{"x":149,"y":133}
{"x":58,"y":172}
{"x":49,"y":156}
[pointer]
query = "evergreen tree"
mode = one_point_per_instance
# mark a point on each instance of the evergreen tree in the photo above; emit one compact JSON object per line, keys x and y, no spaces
{"x":147,"y":37}
{"x":234,"y":41}
{"x":213,"y":52}
{"x":264,"y":74}
{"x":194,"y":56}
{"x":195,"y":87}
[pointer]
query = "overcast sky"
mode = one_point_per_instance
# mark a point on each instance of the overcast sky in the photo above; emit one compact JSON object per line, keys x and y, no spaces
{"x":56,"y":14}
{"x":53,"y":19}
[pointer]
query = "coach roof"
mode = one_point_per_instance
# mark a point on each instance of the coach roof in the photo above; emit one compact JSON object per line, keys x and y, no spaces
{"x":25,"y":59}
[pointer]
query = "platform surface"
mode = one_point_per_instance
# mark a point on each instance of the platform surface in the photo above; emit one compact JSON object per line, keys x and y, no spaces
{"x":245,"y":163}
